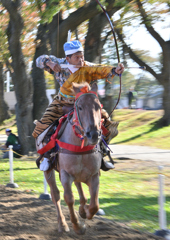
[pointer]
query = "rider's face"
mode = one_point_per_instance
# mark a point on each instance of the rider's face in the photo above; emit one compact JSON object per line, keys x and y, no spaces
{"x":76,"y":59}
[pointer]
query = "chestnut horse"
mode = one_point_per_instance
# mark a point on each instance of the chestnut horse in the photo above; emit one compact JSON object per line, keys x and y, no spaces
{"x":83,"y":167}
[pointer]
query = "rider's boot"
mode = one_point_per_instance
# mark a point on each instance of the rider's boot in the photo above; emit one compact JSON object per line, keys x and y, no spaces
{"x":112,"y":132}
{"x":45,"y":165}
{"x":48,"y":157}
{"x":49,"y":160}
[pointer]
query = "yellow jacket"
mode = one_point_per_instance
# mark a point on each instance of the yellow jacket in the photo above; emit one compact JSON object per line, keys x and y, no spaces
{"x":85,"y":74}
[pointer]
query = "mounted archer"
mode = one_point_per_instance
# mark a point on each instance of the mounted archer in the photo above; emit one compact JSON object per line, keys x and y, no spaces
{"x":76,"y":70}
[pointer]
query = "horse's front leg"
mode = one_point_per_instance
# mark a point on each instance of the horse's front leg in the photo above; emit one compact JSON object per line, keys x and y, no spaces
{"x":93,"y":207}
{"x":66,"y":181}
{"x":83,"y":199}
{"x":55,"y":194}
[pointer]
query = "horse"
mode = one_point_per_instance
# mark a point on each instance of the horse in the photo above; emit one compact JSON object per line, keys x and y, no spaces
{"x":79,"y":167}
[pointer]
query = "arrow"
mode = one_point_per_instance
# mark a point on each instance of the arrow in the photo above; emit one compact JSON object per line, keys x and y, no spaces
{"x":74,"y":66}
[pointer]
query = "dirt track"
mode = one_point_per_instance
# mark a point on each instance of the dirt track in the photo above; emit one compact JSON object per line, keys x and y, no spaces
{"x":25,"y":217}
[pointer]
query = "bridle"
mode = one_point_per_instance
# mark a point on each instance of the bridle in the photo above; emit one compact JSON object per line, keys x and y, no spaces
{"x":76,"y":122}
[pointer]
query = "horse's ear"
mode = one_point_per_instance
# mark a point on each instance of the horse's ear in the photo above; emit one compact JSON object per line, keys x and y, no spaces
{"x":94,"y":87}
{"x":76,"y":88}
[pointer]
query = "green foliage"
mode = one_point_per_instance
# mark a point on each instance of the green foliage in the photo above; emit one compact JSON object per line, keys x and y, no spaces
{"x":50,"y":84}
{"x":3,"y":37}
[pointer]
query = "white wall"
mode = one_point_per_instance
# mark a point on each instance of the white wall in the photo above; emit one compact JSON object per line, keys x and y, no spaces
{"x":10,"y":98}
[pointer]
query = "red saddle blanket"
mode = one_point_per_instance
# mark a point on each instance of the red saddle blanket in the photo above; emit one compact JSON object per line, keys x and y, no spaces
{"x":73,"y":148}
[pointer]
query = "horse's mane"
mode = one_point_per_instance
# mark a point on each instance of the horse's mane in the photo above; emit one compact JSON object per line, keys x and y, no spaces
{"x":82,"y":85}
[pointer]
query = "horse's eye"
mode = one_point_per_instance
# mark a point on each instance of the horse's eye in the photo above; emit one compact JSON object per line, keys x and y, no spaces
{"x":80,"y":108}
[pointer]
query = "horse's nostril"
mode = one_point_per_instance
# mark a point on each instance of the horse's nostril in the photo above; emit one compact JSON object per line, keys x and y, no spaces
{"x":92,"y":135}
{"x":88,"y":135}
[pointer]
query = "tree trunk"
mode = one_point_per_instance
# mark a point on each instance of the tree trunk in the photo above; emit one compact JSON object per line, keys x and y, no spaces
{"x":39,"y":86}
{"x":164,"y":80}
{"x":165,"y":120}
{"x":163,"y":77}
{"x":22,"y":83}
{"x":3,"y":106}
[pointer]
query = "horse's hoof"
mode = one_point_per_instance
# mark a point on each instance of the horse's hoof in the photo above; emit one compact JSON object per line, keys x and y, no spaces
{"x":63,"y":228}
{"x":82,"y":213}
{"x":80,"y":229}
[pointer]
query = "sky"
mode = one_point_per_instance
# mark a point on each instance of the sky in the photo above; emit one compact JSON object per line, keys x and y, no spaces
{"x":141,"y":39}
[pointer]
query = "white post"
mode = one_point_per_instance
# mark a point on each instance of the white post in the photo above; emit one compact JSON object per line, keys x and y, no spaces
{"x":162,"y":213}
{"x":45,"y":195}
{"x":11,"y":164}
{"x":8,"y":81}
{"x":45,"y":186}
{"x":11,"y":184}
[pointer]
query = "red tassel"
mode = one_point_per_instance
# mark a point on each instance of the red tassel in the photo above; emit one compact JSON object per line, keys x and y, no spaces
{"x":82,"y":143}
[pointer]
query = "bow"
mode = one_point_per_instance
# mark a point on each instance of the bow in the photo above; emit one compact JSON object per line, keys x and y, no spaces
{"x":117,"y":51}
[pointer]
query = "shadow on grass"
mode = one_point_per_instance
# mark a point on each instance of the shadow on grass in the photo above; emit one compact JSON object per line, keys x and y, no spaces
{"x":5,"y":160}
{"x":129,"y":209}
{"x":18,"y":169}
{"x":154,"y":127}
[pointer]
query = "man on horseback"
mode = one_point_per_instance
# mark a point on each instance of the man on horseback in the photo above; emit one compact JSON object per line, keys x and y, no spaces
{"x":67,"y":70}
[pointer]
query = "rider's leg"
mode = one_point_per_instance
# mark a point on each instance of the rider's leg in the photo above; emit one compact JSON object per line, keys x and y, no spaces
{"x":111,"y":127}
{"x":53,"y":112}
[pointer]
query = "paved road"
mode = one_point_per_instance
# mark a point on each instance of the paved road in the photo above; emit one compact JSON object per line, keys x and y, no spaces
{"x":140,"y":153}
{"x":132,"y":152}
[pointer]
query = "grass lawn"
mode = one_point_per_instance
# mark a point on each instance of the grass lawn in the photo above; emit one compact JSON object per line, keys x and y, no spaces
{"x":129,"y":197}
{"x":139,"y":127}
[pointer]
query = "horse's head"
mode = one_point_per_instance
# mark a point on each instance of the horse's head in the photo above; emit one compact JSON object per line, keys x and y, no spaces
{"x":88,"y":111}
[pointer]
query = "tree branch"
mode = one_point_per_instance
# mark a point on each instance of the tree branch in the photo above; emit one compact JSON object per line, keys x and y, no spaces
{"x":88,"y":11}
{"x":133,"y":55}
{"x":147,"y":23}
